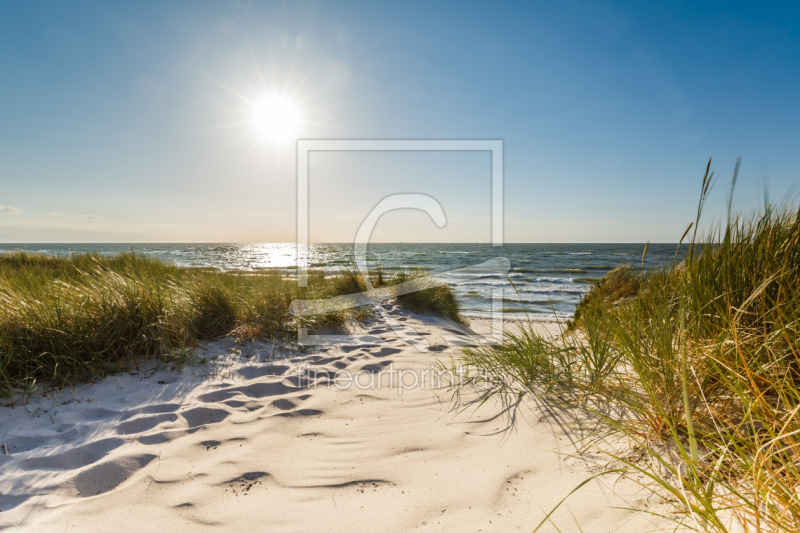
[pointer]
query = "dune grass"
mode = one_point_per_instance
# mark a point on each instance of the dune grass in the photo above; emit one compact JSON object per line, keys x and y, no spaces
{"x":439,"y":300}
{"x":696,"y":364}
{"x":67,"y":320}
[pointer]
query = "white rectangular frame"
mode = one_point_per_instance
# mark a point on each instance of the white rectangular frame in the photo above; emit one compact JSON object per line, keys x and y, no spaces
{"x":494,"y":146}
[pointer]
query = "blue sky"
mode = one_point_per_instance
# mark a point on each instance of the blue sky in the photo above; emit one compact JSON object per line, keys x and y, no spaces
{"x":134,"y":122}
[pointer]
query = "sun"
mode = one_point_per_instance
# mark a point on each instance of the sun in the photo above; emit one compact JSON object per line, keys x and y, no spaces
{"x":276,"y":119}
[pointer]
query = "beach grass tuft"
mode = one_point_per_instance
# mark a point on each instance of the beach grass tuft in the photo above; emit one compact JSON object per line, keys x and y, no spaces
{"x":696,"y":365}
{"x":439,"y":300}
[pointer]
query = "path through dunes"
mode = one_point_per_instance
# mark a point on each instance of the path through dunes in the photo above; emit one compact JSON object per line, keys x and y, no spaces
{"x":253,"y":441}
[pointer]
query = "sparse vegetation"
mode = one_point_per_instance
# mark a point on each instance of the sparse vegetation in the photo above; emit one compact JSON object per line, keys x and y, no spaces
{"x":697,"y":365}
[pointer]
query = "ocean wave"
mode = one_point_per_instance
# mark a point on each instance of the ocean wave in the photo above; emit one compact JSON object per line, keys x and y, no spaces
{"x":536,"y":301}
{"x":576,"y":290}
{"x":566,"y":253}
{"x":471,"y":273}
{"x":489,"y":281}
{"x":557,"y":270}
{"x":468,"y":273}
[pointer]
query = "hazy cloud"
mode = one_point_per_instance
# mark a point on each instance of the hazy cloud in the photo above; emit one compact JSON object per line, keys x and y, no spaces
{"x":60,"y":214}
{"x":9,"y":210}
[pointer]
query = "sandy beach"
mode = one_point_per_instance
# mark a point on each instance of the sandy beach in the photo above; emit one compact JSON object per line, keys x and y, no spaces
{"x":261,"y":438}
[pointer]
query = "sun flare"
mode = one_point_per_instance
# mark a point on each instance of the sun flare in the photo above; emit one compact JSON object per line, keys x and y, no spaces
{"x":276,"y":119}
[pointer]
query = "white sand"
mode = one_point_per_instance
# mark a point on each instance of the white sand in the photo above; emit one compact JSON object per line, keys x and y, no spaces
{"x":244,"y":444}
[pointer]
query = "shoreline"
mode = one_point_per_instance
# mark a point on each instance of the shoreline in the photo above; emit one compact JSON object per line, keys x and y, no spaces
{"x":548,"y":328}
{"x":534,"y":319}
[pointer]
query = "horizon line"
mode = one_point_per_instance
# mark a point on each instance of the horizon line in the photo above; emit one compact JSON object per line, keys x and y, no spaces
{"x":331,"y":242}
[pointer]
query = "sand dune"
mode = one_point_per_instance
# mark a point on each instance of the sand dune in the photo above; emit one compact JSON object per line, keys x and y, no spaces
{"x":263,"y":438}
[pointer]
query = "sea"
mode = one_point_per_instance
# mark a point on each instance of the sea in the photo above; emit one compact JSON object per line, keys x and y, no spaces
{"x":543,"y":281}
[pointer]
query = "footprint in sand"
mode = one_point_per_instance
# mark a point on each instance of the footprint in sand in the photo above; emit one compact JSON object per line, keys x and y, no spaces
{"x":159,"y":408}
{"x":201,"y":416}
{"x":164,"y":436}
{"x":325,"y":361}
{"x":77,"y":457}
{"x":314,"y":378}
{"x":256,"y":390}
{"x":145,"y":423}
{"x":348,"y":349}
{"x":383,"y":352}
{"x":284,"y":404}
{"x":300,"y":412}
{"x":254,"y":372}
{"x":374,"y":368}
{"x":246,"y":406}
{"x":107,"y":476}
{"x":24,"y":443}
